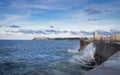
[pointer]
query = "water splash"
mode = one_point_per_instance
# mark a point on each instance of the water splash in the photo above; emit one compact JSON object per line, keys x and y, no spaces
{"x":85,"y":56}
{"x":73,"y":51}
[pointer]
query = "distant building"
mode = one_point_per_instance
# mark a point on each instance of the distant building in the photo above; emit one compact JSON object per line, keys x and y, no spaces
{"x":115,"y":37}
{"x":97,"y":36}
{"x":39,"y":38}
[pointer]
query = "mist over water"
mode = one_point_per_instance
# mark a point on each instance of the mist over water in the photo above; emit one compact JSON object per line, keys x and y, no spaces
{"x":46,"y":57}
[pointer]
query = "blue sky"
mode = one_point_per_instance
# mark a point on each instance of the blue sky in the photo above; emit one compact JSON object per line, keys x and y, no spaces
{"x":25,"y":19}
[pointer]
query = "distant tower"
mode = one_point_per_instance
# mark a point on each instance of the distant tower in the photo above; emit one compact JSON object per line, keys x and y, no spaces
{"x":95,"y":34}
{"x":97,"y":37}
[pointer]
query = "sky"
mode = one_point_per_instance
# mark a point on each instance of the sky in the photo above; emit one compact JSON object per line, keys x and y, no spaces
{"x":25,"y":19}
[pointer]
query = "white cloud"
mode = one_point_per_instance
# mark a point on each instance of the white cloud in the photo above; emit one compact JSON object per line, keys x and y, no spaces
{"x":47,"y":4}
{"x":11,"y":18}
{"x":68,"y":18}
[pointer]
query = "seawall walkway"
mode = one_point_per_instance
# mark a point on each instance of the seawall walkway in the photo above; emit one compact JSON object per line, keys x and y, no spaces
{"x":110,"y":67}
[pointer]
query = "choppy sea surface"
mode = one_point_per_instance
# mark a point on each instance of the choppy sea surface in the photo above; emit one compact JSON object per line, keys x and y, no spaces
{"x":43,"y":57}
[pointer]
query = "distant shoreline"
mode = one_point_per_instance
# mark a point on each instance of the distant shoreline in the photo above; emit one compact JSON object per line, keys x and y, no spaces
{"x":43,"y":38}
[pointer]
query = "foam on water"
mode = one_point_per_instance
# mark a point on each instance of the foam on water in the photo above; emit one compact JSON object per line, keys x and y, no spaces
{"x":73,"y":51}
{"x":85,"y":56}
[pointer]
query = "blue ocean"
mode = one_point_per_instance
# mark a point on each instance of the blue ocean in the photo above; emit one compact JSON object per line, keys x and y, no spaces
{"x":43,"y":57}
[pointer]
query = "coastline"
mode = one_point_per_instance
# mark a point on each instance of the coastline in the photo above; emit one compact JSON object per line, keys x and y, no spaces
{"x":110,"y":67}
{"x":105,"y":53}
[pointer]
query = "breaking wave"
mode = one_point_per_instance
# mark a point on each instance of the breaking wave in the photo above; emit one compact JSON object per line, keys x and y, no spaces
{"x":83,"y":57}
{"x":73,"y":51}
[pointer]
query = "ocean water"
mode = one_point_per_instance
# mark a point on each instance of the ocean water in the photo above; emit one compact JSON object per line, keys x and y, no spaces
{"x":43,"y":57}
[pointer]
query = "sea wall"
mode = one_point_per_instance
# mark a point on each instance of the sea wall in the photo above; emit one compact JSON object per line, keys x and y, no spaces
{"x":107,"y":53}
{"x":84,"y":42}
{"x":104,"y":50}
{"x":109,"y":67}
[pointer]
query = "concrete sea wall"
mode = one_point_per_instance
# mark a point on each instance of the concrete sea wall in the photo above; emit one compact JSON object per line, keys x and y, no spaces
{"x":107,"y":53}
{"x":104,"y":50}
{"x":109,"y":67}
{"x":84,"y":42}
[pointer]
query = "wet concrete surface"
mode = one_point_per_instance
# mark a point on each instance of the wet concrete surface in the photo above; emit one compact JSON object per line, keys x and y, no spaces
{"x":109,"y":67}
